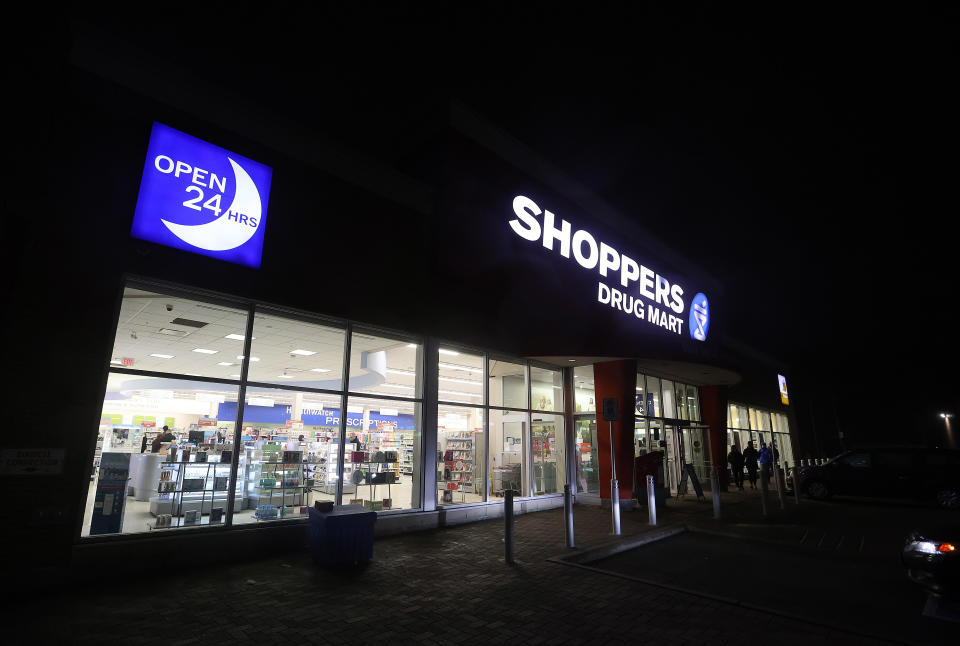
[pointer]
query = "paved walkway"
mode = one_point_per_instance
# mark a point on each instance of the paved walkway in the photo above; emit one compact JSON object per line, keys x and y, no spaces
{"x":437,"y":587}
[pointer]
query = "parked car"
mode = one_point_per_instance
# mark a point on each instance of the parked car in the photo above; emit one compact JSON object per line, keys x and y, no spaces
{"x":932,"y":559}
{"x":887,"y":472}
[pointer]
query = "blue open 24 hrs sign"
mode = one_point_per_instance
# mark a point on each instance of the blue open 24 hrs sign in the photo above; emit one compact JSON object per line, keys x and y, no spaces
{"x":202,"y":198}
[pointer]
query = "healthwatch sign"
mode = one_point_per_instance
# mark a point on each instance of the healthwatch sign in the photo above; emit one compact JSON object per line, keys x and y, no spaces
{"x":202,"y":198}
{"x":625,"y":284}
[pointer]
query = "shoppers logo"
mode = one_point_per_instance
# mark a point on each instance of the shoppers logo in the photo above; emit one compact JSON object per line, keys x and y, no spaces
{"x":699,"y":317}
{"x":185,"y":186}
{"x":639,"y":291}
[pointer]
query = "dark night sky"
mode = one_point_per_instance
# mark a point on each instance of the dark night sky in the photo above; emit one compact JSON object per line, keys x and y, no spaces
{"x":805,"y":154}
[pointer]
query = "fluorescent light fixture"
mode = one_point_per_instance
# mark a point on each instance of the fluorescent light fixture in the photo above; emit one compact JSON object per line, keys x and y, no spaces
{"x":209,"y":397}
{"x":162,"y":356}
{"x":398,"y":386}
{"x":408,"y":373}
{"x":284,"y":377}
{"x":260,"y":401}
{"x":240,"y":357}
{"x":205,"y":351}
{"x":412,"y":345}
{"x":453,"y":366}
{"x":116,"y":361}
{"x":305,"y":353}
{"x":192,"y":374}
{"x":237,"y":337}
{"x":457,"y":380}
{"x":392,"y":412}
{"x":457,"y":392}
{"x":452,"y":353}
{"x":354,"y":409}
{"x":322,"y":370}
{"x":639,"y":390}
{"x":237,"y":376}
{"x":224,"y":363}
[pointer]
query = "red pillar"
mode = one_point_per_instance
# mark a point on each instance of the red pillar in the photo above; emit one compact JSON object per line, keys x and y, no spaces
{"x":713,"y":413}
{"x":616,"y":379}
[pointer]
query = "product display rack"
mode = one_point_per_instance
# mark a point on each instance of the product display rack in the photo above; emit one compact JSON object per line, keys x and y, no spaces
{"x":195,"y":487}
{"x":458,"y":465}
{"x":545,"y":465}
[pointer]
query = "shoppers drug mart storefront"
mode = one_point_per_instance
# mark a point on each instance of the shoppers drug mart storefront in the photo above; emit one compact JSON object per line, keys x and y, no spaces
{"x":416,"y":342}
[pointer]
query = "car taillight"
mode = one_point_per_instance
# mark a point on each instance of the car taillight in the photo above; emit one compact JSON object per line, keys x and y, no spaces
{"x":946,"y":547}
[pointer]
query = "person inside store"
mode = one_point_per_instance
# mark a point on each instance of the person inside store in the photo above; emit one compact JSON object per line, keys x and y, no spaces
{"x":355,"y":441}
{"x":143,"y":444}
{"x":165,"y":436}
{"x":735,"y":458}
{"x":750,"y":456}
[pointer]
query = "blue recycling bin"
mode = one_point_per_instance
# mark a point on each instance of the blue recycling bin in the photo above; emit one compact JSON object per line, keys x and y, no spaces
{"x":342,"y":535}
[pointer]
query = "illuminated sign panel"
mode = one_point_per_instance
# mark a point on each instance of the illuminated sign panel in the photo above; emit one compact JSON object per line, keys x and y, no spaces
{"x":626,"y":285}
{"x":783,"y":389}
{"x":202,"y":198}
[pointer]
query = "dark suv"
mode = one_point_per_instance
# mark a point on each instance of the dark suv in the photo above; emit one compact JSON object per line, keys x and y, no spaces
{"x":887,"y":472}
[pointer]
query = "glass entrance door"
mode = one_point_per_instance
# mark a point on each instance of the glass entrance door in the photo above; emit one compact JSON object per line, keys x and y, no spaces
{"x":587,"y":456}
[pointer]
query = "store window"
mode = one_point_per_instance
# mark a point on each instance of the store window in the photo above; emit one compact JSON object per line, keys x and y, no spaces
{"x":509,"y":451}
{"x":146,"y":478}
{"x":460,"y":377}
{"x":653,"y":397}
{"x":586,"y":461}
{"x":291,"y":352}
{"x":508,"y":384}
{"x":693,"y":402}
{"x":173,"y":334}
{"x":381,"y":466}
{"x":461,"y":454}
{"x":547,"y":447}
{"x":584,"y":396}
{"x":384,"y":365}
{"x":289,"y":450}
{"x":669,"y":403}
{"x":546,"y":389}
{"x":641,"y":407}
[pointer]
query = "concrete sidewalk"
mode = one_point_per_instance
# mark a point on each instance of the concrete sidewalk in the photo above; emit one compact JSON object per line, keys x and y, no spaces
{"x":436,"y":587}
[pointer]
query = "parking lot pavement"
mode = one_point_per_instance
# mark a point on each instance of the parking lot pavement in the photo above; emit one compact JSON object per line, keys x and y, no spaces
{"x":866,"y":594}
{"x":436,"y":587}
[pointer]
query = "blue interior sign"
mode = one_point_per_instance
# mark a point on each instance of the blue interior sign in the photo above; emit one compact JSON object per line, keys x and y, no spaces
{"x":202,"y":198}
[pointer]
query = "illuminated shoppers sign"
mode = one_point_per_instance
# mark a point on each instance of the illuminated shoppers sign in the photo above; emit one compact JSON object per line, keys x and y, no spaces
{"x":202,"y":198}
{"x":626,"y":285}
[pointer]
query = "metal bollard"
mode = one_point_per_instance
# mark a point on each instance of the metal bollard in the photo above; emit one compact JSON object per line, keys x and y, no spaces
{"x":715,"y":484}
{"x":568,"y":514}
{"x":508,"y":526}
{"x":651,"y":501}
{"x":614,"y":487}
{"x":764,"y":488}
{"x":778,"y":474}
{"x":796,"y":486}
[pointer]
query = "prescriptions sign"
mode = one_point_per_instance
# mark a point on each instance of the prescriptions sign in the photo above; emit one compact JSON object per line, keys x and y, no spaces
{"x":625,"y":284}
{"x":202,"y":198}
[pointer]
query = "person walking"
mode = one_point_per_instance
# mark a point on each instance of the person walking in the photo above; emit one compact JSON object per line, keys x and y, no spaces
{"x":750,"y":456}
{"x":735,"y":458}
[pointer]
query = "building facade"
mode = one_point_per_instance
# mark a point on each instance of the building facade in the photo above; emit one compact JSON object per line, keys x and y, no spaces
{"x":314,"y":326}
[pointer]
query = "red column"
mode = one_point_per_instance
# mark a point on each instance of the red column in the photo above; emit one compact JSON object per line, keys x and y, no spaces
{"x":616,"y":379}
{"x":713,"y":413}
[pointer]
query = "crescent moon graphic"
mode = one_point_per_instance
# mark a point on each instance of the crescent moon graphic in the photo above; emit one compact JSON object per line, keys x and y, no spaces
{"x":225,"y":233}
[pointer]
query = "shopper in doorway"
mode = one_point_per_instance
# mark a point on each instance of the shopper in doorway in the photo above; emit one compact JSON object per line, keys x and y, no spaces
{"x":766,"y":461}
{"x":735,"y":458}
{"x":750,"y":456}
